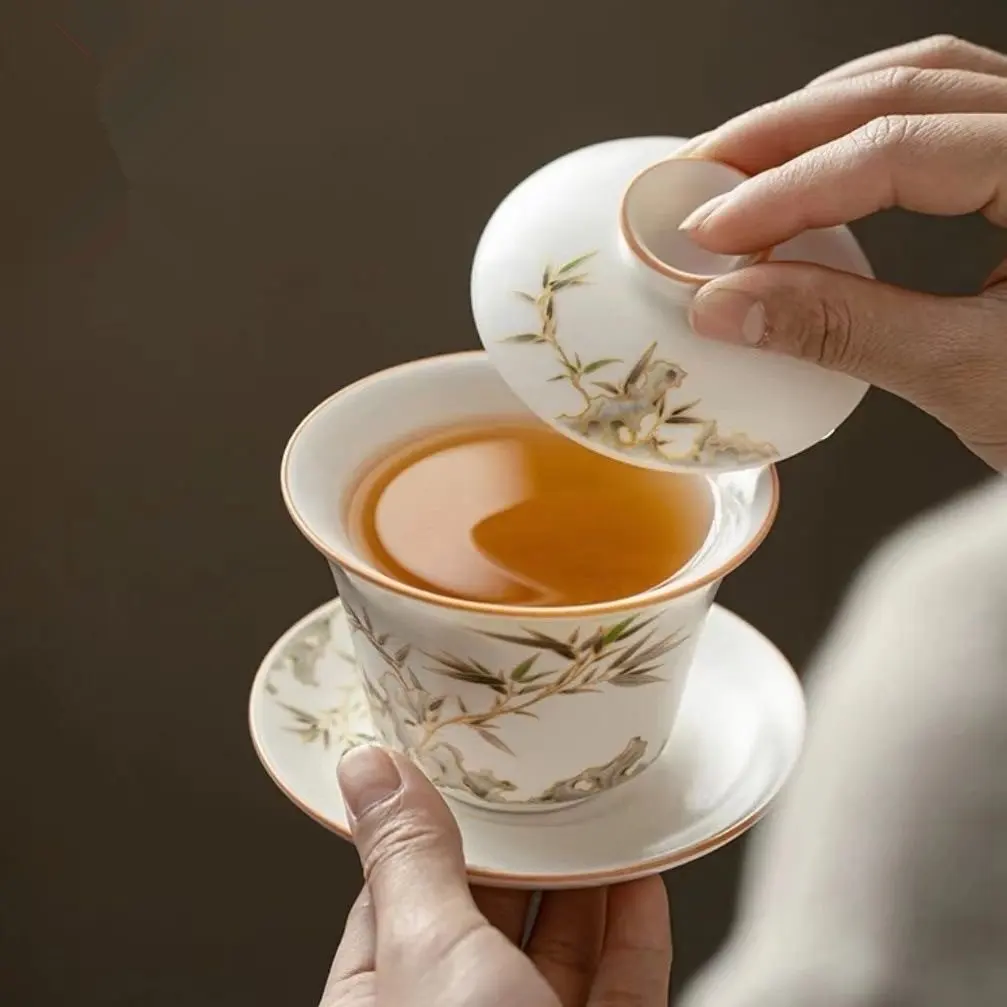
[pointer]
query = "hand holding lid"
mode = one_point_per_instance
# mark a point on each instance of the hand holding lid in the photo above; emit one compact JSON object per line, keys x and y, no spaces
{"x":580,"y":288}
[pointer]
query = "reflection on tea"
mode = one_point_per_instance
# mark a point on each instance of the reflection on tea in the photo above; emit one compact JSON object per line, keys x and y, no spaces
{"x":511,"y":512}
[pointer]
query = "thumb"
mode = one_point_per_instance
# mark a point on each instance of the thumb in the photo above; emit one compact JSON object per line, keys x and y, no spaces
{"x":411,"y":851}
{"x":908,"y":343}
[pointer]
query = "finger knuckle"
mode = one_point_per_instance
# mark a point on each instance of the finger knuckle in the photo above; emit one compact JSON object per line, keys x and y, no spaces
{"x":402,"y":836}
{"x":883,"y":134}
{"x":826,"y":337}
{"x":946,"y":46}
{"x":899,"y":81}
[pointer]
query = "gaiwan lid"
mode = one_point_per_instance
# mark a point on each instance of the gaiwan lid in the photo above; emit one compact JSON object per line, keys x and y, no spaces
{"x":580,"y":291}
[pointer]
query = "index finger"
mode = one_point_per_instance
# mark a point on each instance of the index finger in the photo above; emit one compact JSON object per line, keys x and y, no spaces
{"x":946,"y":165}
{"x":635,"y":964}
{"x":772,"y":134}
{"x":938,"y":52}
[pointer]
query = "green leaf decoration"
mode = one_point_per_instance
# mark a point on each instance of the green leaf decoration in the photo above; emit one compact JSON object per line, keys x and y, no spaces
{"x":521,"y":671}
{"x":614,"y":633}
{"x":597,"y":365}
{"x":462,"y":672}
{"x":607,"y":386}
{"x":632,"y":681}
{"x":659,"y":649}
{"x":492,"y":739}
{"x":301,"y":716}
{"x":638,"y":626}
{"x":679,"y":410}
{"x":573,"y":264}
{"x":629,"y":653}
{"x":640,"y":366}
{"x":570,"y":281}
{"x":624,"y":654}
{"x":539,"y":641}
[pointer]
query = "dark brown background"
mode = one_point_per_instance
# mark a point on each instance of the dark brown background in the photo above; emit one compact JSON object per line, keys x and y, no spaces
{"x":213,"y":214}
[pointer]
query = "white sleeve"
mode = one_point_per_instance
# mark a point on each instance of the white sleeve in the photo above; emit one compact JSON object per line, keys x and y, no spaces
{"x":881,"y":880}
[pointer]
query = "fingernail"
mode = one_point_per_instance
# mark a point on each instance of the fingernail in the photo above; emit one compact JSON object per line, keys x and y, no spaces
{"x":728,"y":315}
{"x":367,"y":777}
{"x":702,"y":214}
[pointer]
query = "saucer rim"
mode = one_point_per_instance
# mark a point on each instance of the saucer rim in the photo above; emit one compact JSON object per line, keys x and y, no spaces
{"x":509,"y":879}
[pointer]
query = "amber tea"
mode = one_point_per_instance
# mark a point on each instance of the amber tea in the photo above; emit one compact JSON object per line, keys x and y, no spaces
{"x":510,"y":512}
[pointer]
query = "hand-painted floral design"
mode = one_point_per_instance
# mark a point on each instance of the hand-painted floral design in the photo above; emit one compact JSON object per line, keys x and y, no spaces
{"x":595,"y":779}
{"x":635,"y":413}
{"x":309,"y":664}
{"x":625,"y":654}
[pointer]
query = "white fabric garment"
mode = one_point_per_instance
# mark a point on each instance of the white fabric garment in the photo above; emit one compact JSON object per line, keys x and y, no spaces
{"x":881,"y":880}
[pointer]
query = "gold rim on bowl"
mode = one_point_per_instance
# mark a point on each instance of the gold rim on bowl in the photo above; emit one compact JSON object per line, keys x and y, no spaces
{"x":354,"y":565}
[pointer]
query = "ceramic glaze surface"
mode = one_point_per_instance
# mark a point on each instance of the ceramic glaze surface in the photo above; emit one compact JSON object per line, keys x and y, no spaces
{"x":514,"y":708}
{"x":737,"y":737}
{"x":598,"y":344}
{"x":522,"y":715}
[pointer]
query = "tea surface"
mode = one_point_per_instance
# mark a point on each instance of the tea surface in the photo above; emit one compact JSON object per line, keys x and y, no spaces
{"x":513,"y":513}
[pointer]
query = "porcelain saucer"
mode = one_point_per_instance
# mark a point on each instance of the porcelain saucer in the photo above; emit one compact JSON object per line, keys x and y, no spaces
{"x":737,"y":738}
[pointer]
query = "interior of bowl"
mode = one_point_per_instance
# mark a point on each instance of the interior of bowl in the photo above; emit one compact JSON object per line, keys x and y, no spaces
{"x":344,"y":435}
{"x":349,"y":430}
